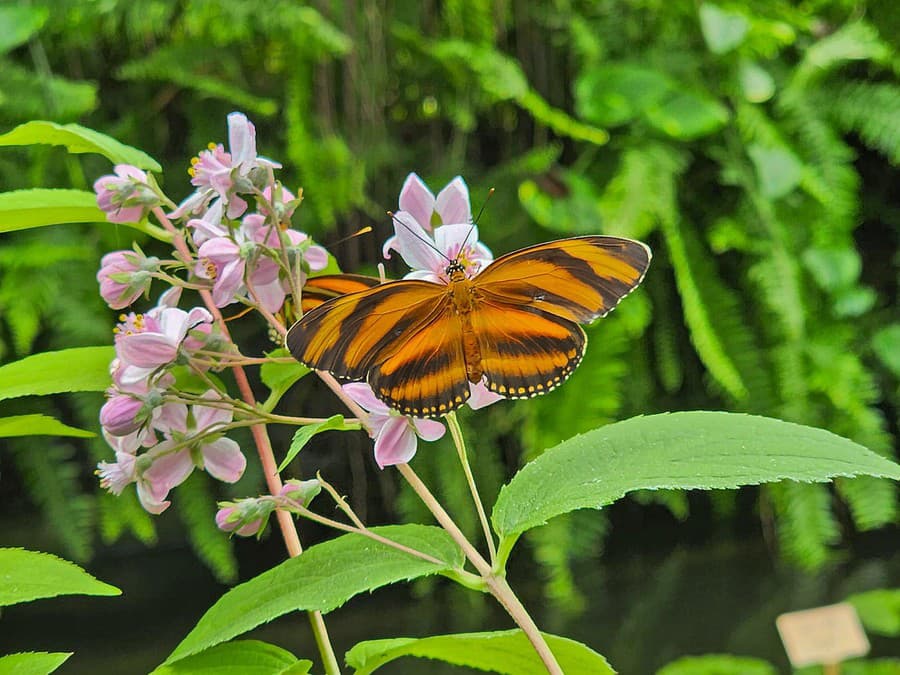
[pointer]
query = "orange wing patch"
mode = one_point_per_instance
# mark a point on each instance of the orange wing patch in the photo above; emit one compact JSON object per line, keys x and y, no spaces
{"x":524,"y":350}
{"x":347,"y":335}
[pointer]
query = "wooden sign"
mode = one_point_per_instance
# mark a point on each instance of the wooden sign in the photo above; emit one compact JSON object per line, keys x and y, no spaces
{"x":823,"y":635}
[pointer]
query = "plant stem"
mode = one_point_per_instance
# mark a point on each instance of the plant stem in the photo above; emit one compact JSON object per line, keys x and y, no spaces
{"x":496,"y":584}
{"x":459,"y":441}
{"x":266,"y":456}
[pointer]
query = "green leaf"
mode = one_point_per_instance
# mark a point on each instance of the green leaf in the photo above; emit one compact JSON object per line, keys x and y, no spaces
{"x":32,"y":663}
{"x":303,"y":434}
{"x":28,"y":575}
{"x":240,"y":657}
{"x":52,"y":372}
{"x":24,"y":209}
{"x":18,"y":24}
{"x":686,"y":115}
{"x":279,"y":377}
{"x":778,"y":170}
{"x":684,"y":450}
{"x":717,"y":664}
{"x":723,"y":30}
{"x":506,"y":651}
{"x":833,"y":269}
{"x":78,"y":139}
{"x":38,"y":425}
{"x":757,"y":85}
{"x":614,"y":94}
{"x":323,"y":578}
{"x":886,"y":343}
{"x":879,"y":610}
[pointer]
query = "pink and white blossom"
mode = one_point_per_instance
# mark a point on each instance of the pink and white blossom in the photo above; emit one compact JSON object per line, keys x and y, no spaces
{"x":396,"y":436}
{"x":429,"y":232}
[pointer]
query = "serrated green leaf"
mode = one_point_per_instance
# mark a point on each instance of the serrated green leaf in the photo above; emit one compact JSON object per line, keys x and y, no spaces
{"x":686,"y":115}
{"x":32,"y":663}
{"x":79,"y":139}
{"x":279,"y":377}
{"x":722,"y":29}
{"x":717,"y":664}
{"x":39,"y":425}
{"x":323,"y":578}
{"x":29,"y":575}
{"x":24,"y":209}
{"x":18,"y":24}
{"x":685,"y":450}
{"x":506,"y":651}
{"x":879,"y":610}
{"x":240,"y":657}
{"x":303,"y":434}
{"x":52,"y":372}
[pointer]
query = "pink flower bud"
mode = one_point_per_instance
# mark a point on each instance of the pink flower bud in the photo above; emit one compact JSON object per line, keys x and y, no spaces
{"x":127,"y":196}
{"x":120,"y":415}
{"x":302,"y":491}
{"x":124,"y":276}
{"x":232,"y":519}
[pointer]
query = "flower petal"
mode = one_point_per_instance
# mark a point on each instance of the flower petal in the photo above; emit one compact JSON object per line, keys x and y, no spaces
{"x":362,"y":393}
{"x":452,"y":203}
{"x":428,"y":430}
{"x":146,"y":350}
{"x":480,"y":396}
{"x":224,"y":460}
{"x":396,"y":444}
{"x":415,"y":245}
{"x":417,"y":200}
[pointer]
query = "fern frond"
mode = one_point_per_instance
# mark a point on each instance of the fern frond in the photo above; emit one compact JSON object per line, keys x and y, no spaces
{"x":872,"y":501}
{"x":806,"y":526}
{"x":871,"y":109}
{"x":51,"y":473}
{"x":196,"y":506}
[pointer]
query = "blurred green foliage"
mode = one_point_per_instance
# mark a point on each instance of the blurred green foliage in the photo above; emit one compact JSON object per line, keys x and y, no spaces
{"x":752,"y":144}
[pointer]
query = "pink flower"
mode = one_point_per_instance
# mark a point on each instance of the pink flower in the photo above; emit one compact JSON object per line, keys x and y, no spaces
{"x":456,"y":238}
{"x":210,"y":225}
{"x":396,"y":436}
{"x":147,"y":342}
{"x":225,"y":174}
{"x":124,"y":276}
{"x":120,"y":415}
{"x":127,"y":196}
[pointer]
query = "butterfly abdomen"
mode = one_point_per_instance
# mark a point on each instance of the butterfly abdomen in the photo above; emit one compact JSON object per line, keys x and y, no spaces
{"x":464,"y":300}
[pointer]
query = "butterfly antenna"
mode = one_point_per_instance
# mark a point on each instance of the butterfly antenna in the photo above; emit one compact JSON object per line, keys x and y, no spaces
{"x":420,"y":238}
{"x":475,"y":222}
{"x":359,"y":232}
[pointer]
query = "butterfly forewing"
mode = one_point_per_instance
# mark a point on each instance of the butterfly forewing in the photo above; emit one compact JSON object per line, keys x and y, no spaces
{"x":319,"y":290}
{"x":580,"y":279}
{"x":347,"y":335}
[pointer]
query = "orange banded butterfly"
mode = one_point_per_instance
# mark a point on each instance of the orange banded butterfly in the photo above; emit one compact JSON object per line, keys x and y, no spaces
{"x":419,"y":344}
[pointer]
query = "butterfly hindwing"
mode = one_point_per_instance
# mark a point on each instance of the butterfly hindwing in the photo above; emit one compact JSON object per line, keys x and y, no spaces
{"x":579,"y":279}
{"x":425,"y":374}
{"x":525,"y":351}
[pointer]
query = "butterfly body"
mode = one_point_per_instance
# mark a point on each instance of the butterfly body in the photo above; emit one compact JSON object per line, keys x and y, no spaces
{"x":514,"y":326}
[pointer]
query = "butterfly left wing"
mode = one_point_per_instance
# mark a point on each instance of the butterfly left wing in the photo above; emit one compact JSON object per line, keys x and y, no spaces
{"x":402,"y":337}
{"x":321,"y":289}
{"x":579,"y":279}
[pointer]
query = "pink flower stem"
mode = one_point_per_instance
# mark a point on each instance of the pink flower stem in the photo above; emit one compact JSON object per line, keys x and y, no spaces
{"x":496,"y":583}
{"x":266,"y":455}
